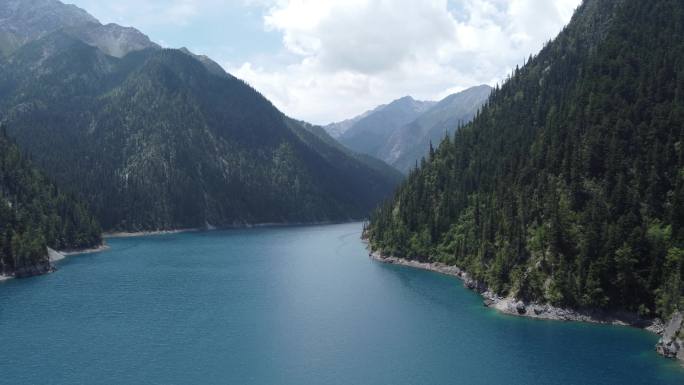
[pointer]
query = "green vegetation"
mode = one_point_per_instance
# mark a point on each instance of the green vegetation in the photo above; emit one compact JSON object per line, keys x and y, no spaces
{"x":34,"y":214}
{"x":155,"y":140}
{"x":568,"y":187}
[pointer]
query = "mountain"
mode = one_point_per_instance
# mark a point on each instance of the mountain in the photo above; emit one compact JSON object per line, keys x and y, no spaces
{"x":335,"y":130}
{"x":213,"y":67}
{"x":379,"y":166}
{"x":400,"y":133}
{"x":568,"y":187}
{"x":411,"y":142}
{"x":372,"y":130}
{"x":112,"y":39}
{"x":23,"y":21}
{"x":34,"y":214}
{"x":153,"y":138}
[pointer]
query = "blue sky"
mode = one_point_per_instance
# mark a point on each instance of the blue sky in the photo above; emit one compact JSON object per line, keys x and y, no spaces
{"x":230,"y":31}
{"x":326,"y":60}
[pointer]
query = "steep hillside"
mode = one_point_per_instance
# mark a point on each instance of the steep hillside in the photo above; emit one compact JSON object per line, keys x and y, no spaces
{"x":400,"y":133}
{"x":369,"y":133}
{"x":568,"y":188}
{"x":411,"y":142}
{"x":329,"y":143}
{"x":160,"y":139}
{"x":335,"y":130}
{"x":34,"y":214}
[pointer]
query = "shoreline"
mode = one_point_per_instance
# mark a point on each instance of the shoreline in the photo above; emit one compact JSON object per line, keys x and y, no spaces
{"x":55,"y":256}
{"x":136,"y":234}
{"x":670,"y":345}
{"x":98,"y":249}
{"x":514,"y":307}
{"x":59,"y":255}
{"x":209,"y":227}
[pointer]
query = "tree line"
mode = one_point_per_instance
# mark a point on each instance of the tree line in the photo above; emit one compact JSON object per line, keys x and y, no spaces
{"x":568,"y":187}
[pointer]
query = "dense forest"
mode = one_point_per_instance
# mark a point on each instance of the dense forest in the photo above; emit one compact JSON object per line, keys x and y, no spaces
{"x":34,"y":214}
{"x":568,"y":187}
{"x":163,"y":139}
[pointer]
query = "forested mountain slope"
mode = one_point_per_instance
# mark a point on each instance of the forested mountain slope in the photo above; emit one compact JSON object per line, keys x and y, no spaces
{"x":568,"y":187}
{"x":34,"y":214}
{"x":161,"y":139}
{"x":332,"y":150}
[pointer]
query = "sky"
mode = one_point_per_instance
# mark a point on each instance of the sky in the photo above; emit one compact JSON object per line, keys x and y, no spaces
{"x":328,"y":60}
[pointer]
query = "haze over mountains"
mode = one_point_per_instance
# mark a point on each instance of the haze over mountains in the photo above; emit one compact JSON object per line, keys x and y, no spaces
{"x":154,"y":138}
{"x":400,"y":133}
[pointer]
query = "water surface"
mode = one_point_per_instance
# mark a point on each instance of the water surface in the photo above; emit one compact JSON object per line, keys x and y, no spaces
{"x":292,"y":306}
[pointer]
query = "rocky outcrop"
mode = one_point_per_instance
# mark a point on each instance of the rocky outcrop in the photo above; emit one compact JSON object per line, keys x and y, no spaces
{"x":671,"y":344}
{"x":39,"y":268}
{"x":55,"y":256}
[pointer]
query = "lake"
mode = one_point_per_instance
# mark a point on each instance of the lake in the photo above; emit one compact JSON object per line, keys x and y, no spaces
{"x":295,"y":305}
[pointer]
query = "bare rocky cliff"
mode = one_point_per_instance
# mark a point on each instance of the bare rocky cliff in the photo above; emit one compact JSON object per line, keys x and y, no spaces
{"x":671,"y":344}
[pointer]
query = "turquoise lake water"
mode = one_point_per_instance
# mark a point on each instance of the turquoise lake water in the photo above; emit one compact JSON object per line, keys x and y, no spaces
{"x":300,"y":305}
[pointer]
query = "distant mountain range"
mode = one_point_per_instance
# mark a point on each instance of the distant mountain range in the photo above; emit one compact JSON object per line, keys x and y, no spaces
{"x":153,"y":138}
{"x":400,"y":133}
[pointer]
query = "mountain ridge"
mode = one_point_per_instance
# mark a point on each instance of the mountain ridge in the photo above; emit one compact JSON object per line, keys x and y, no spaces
{"x":400,"y":133}
{"x":411,"y":142}
{"x":370,"y":132}
{"x":160,"y":139}
{"x":23,"y":21}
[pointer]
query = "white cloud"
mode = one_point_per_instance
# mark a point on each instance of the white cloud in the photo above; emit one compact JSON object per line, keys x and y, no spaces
{"x":339,"y":58}
{"x":355,"y":54}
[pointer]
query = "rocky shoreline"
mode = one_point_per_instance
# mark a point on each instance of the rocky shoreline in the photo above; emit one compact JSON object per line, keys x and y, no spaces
{"x":123,"y":234}
{"x":102,"y":247}
{"x":670,"y":345}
